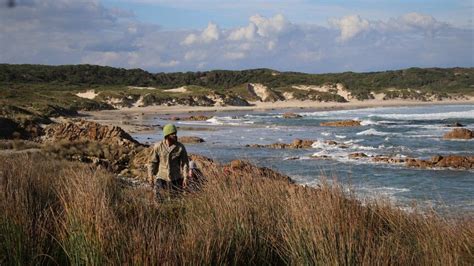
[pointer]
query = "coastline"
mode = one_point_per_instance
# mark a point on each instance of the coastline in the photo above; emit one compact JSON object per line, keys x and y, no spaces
{"x":129,"y":118}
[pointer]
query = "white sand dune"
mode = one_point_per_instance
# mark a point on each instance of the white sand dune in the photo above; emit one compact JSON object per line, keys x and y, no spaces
{"x":90,"y":94}
{"x":141,"y":88}
{"x":178,"y":90}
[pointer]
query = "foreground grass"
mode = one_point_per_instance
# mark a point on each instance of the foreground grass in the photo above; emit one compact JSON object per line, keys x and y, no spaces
{"x":57,"y":212}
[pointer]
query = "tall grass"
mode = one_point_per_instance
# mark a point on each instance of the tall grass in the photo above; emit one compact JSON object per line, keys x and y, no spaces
{"x":57,"y":212}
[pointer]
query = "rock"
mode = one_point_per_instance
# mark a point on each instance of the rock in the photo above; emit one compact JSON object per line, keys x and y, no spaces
{"x":357,"y":155}
{"x":10,"y":129}
{"x":343,"y":123}
{"x":455,"y":124}
{"x":91,"y":131}
{"x":331,"y":142}
{"x":295,"y":144}
{"x":190,"y":118}
{"x":290,"y":115}
{"x":321,"y":157}
{"x":242,"y":168}
{"x":459,"y":133}
{"x":190,"y":139}
{"x":438,"y":161}
{"x":389,"y":159}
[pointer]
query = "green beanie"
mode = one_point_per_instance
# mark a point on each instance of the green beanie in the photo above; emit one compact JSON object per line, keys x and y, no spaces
{"x":169,"y":129}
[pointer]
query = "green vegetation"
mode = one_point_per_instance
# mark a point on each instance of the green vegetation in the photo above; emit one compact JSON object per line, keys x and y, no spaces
{"x":451,"y":80}
{"x":58,"y":212}
{"x":47,"y":91}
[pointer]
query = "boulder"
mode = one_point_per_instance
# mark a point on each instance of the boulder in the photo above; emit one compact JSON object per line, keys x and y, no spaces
{"x":90,"y":131}
{"x":455,"y":124}
{"x":241,"y":168}
{"x":343,"y":123}
{"x":295,"y":144}
{"x":190,"y":118}
{"x":459,"y":133}
{"x":438,"y":161}
{"x":357,"y":155}
{"x":290,"y":115}
{"x":190,"y":139}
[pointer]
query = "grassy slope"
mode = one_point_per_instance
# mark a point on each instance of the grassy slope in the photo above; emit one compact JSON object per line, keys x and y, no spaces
{"x":62,"y":212}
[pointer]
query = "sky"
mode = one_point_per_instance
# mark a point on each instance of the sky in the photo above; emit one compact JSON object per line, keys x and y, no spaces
{"x":293,"y":35}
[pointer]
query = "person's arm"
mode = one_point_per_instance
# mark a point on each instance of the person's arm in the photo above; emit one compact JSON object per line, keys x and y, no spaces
{"x":153,"y":164}
{"x":185,"y":165}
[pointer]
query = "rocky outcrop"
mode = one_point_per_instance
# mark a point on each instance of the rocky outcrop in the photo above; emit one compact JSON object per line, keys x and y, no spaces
{"x":455,"y":124}
{"x":242,"y":168}
{"x":90,"y":131}
{"x":296,"y":144}
{"x":357,"y":155}
{"x":343,"y":123}
{"x":190,"y":118}
{"x":438,"y":161}
{"x":190,"y":140}
{"x":459,"y":133}
{"x":290,"y":115}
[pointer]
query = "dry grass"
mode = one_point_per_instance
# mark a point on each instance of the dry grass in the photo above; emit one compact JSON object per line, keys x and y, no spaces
{"x":57,"y":212}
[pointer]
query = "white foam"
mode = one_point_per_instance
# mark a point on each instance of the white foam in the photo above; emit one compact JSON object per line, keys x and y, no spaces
{"x":368,"y":122}
{"x":433,"y":116}
{"x":374,"y":132}
{"x":228,"y":120}
{"x":340,"y":136}
{"x":325,"y":133}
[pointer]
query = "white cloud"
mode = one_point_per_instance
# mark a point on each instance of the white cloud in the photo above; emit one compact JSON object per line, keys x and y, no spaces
{"x":269,"y":26}
{"x":244,"y":33}
{"x":71,"y":32}
{"x":195,"y":55}
{"x":208,"y":35}
{"x":351,"y":26}
{"x":234,"y":55}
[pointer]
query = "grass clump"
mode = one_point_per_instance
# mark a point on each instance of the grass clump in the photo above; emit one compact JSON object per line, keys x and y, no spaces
{"x":57,"y":212}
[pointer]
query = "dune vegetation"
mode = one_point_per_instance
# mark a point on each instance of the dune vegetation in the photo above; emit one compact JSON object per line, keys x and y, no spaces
{"x":62,"y":212}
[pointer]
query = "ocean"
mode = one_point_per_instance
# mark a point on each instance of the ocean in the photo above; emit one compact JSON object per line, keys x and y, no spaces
{"x":394,"y":131}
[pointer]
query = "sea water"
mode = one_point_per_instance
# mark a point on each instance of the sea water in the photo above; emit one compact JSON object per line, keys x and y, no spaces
{"x":394,"y":131}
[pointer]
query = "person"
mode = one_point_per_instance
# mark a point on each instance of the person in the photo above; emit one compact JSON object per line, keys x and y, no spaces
{"x":168,"y":166}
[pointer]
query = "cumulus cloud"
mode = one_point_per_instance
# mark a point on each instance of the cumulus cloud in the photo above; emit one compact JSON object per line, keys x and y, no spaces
{"x":209,"y":34}
{"x":351,"y":26}
{"x":84,"y":31}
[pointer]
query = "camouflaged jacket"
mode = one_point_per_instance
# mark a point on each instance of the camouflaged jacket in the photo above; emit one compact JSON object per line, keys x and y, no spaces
{"x":169,"y":161}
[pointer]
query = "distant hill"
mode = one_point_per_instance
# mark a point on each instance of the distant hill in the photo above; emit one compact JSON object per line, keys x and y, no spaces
{"x":41,"y":91}
{"x":449,"y":80}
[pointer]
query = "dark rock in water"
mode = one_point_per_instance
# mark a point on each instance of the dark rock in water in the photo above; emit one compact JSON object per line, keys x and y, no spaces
{"x":331,"y":142}
{"x":389,"y":159}
{"x":321,"y":157}
{"x":296,"y":144}
{"x":190,"y":118}
{"x":357,"y":155}
{"x":344,"y":123}
{"x":190,"y":139}
{"x":290,"y":115}
{"x":459,"y":133}
{"x":455,"y":124}
{"x":438,"y":161}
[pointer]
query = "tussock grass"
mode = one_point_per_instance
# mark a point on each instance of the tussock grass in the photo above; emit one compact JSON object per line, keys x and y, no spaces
{"x":58,"y":212}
